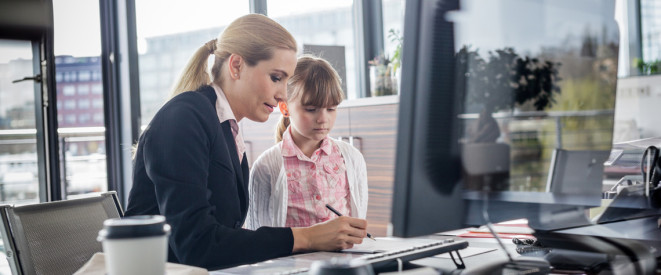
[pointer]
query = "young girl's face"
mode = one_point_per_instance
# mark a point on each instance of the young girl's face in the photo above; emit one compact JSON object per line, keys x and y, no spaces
{"x":311,"y":123}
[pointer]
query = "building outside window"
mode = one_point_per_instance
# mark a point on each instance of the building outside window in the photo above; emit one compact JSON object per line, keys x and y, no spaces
{"x":320,"y":27}
{"x":165,"y":45}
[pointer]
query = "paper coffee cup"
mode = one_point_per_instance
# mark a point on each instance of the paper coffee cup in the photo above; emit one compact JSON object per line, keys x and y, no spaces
{"x":135,"y":245}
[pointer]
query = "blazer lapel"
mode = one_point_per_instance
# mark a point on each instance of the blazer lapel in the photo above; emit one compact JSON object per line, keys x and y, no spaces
{"x":238,"y":170}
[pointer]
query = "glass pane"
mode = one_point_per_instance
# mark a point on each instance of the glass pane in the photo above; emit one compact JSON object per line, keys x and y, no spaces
{"x":165,"y":45}
{"x":79,"y":96}
{"x":638,"y":98}
{"x":324,"y":28}
{"x":393,"y":23}
{"x":19,"y":172}
{"x":531,"y":89}
{"x":650,"y":25}
{"x":385,"y":77}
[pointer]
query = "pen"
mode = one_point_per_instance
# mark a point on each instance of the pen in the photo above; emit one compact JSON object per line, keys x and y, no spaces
{"x":338,"y":213}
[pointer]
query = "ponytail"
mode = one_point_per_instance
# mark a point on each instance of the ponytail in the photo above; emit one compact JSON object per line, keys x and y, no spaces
{"x":195,"y":73}
{"x":281,"y":128}
{"x":254,"y":37}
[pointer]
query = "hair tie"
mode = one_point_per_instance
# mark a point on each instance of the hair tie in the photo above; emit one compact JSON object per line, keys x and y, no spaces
{"x":211,"y":45}
{"x":283,"y":108}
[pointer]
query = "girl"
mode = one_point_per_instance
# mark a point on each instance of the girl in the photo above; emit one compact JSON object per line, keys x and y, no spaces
{"x":190,"y":165}
{"x":292,"y":182}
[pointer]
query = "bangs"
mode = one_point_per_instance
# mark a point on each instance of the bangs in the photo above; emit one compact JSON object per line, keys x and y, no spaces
{"x":321,"y":88}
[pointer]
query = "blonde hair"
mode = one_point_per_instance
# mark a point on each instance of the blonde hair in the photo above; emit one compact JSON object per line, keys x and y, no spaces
{"x":315,"y":83}
{"x":254,"y":37}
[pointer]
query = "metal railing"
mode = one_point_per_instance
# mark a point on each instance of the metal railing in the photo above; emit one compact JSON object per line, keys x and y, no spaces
{"x":81,"y":172}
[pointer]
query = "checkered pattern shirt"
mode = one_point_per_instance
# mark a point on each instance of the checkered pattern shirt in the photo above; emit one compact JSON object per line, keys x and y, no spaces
{"x":313,"y":182}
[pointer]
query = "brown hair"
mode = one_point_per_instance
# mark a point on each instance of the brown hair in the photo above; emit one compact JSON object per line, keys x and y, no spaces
{"x":254,"y":37}
{"x":315,"y":83}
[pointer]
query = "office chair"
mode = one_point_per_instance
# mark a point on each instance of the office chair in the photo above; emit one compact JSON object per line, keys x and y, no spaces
{"x":55,"y":237}
{"x":576,"y":172}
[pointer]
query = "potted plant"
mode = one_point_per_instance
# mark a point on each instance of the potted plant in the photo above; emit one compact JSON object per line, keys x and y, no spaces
{"x":503,"y":81}
{"x":396,"y":60}
{"x":380,"y":76}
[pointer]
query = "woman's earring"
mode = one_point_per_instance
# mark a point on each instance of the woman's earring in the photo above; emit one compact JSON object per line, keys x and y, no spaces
{"x":284,"y":110}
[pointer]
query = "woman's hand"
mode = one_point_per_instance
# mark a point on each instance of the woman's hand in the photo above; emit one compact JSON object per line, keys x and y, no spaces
{"x":336,"y":234}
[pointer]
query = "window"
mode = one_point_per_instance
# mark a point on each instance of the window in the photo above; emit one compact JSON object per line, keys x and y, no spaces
{"x":69,"y":104}
{"x":96,"y":75}
{"x":97,"y":89}
{"x":69,"y":90}
{"x":97,"y":118}
{"x":70,"y":119}
{"x":77,"y":47}
{"x":164,"y":45}
{"x":321,"y":27}
{"x":83,"y":89}
{"x":18,"y":148}
{"x":84,"y":118}
{"x":650,"y":14}
{"x":83,"y":104}
{"x":393,"y":22}
{"x":97,"y":103}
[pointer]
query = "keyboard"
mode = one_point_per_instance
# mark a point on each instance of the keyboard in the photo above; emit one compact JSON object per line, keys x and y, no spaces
{"x":382,"y":252}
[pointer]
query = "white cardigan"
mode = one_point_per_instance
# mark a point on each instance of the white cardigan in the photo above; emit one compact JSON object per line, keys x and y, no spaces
{"x":269,"y":193}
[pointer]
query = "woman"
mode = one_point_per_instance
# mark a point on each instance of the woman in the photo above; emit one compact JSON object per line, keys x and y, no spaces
{"x":190,"y":164}
{"x":292,"y":182}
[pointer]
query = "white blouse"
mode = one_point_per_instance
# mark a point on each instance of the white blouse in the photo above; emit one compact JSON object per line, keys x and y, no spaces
{"x":268,"y":186}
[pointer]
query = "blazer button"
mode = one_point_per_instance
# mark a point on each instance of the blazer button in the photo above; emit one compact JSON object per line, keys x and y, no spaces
{"x":237,"y":225}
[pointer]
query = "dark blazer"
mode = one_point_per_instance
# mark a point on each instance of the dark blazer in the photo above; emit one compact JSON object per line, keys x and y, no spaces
{"x":187,"y":169}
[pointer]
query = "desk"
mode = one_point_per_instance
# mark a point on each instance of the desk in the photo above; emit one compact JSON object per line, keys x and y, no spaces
{"x":479,"y":260}
{"x":299,"y":263}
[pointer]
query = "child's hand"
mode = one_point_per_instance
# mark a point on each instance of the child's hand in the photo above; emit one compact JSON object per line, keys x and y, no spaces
{"x":336,"y":234}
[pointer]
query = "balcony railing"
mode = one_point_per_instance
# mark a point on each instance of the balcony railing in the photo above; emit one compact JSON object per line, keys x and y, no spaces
{"x":82,"y":158}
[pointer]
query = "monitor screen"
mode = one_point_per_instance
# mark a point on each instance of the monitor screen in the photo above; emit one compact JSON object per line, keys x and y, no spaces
{"x":505,"y":106}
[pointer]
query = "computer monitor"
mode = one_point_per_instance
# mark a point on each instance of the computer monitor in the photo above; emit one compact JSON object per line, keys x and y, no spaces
{"x":489,"y":91}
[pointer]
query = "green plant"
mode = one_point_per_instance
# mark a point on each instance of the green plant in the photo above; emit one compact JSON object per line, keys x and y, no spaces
{"x":651,"y":67}
{"x":504,"y":79}
{"x":395,"y":36}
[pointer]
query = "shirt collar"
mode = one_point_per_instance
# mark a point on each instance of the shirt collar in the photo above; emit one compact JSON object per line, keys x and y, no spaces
{"x":223,"y":107}
{"x":289,"y":148}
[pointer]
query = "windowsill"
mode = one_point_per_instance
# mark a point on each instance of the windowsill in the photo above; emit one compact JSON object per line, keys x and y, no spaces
{"x":370,"y":101}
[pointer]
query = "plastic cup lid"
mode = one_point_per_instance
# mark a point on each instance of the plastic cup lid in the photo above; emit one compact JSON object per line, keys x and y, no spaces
{"x":134,"y":227}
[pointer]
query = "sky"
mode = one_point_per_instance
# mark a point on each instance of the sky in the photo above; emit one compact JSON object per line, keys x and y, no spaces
{"x":77,"y":22}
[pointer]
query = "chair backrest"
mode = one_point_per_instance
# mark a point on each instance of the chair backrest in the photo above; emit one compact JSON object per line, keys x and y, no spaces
{"x":576,"y":172}
{"x":55,"y":237}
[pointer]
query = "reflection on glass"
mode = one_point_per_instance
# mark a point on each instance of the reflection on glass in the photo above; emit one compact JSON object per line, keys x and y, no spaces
{"x":79,"y":96}
{"x":535,"y":77}
{"x":322,"y":23}
{"x":19,"y":182}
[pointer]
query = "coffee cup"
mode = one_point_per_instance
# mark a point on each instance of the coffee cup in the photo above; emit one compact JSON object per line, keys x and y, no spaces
{"x":135,"y":245}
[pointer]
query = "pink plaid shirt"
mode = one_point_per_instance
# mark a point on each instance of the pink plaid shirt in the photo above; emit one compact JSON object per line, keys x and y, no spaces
{"x":314,"y":182}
